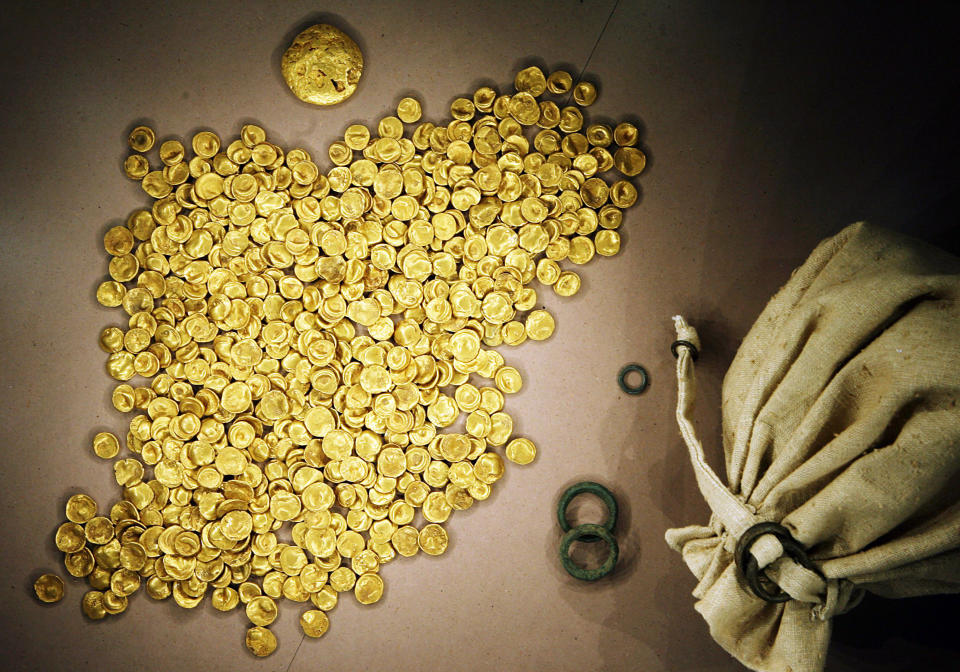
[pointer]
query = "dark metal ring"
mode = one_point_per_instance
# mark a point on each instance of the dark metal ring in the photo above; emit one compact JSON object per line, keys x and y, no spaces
{"x":594,"y":489}
{"x":674,"y":348}
{"x":582,"y":533}
{"x":644,"y":379}
{"x":747,"y":564}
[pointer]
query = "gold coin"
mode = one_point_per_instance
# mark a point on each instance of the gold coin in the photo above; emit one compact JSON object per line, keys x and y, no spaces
{"x":136,"y":166}
{"x":501,"y":427}
{"x":433,"y":539}
{"x":524,"y":108}
{"x":141,"y":139}
{"x":357,"y":137}
{"x":508,"y":380}
{"x":629,"y":160}
{"x":584,"y":94}
{"x":406,"y":540}
{"x":623,"y":194}
{"x":80,"y":508}
{"x":559,"y":82}
{"x":92,"y":605}
{"x":462,"y":109}
{"x":208,"y":186}
{"x":224,"y":599}
{"x":314,"y":623}
{"x":49,"y":588}
{"x":133,"y":556}
{"x":521,"y":451}
{"x":539,"y":325}
{"x":530,"y":80}
{"x":599,"y":135}
{"x":595,"y":191}
{"x":123,"y":398}
{"x":171,"y":152}
{"x":342,"y":579}
{"x":568,"y":284}
{"x":158,"y":589}
{"x":262,"y":610}
{"x":110,"y":294}
{"x":118,"y":241}
{"x":436,"y":508}
{"x":124,"y":582}
{"x":113,"y":603}
{"x":205,"y":144}
{"x":237,"y":526}
{"x":491,"y":399}
{"x":489,"y":468}
{"x":326,"y":599}
{"x":571,"y":120}
{"x":111,"y":340}
{"x":581,"y":250}
{"x":70,"y":538}
{"x":610,"y":217}
{"x":99,"y":530}
{"x":260,"y":641}
{"x":154,"y":184}
{"x":548,"y":271}
{"x":626,"y":134}
{"x":607,"y":243}
{"x":99,"y":578}
{"x":368,"y":588}
{"x":322,"y":66}
{"x":236,"y":397}
{"x":106,"y":445}
{"x":408,"y":110}
{"x":79,"y":564}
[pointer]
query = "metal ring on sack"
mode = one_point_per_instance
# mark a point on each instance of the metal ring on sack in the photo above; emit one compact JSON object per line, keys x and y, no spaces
{"x":676,"y":345}
{"x":750,"y":569}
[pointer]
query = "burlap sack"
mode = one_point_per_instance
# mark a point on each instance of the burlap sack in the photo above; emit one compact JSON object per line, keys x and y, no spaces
{"x":841,"y":423}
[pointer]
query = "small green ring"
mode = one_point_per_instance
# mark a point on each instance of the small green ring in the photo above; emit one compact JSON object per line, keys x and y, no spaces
{"x":594,"y":489}
{"x":644,"y":379}
{"x":580,"y":533}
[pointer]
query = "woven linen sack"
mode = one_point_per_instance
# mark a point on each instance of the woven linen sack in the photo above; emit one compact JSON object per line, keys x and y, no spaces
{"x":841,"y":423}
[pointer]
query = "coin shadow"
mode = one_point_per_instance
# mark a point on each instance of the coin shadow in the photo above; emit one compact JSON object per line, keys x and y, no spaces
{"x":917,"y":625}
{"x":664,"y":478}
{"x":569,"y":67}
{"x":484,"y":81}
{"x":528,"y":61}
{"x":312,"y":19}
{"x":629,"y":615}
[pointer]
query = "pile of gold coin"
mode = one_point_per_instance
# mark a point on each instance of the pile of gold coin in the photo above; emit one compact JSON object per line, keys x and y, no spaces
{"x":305,"y":342}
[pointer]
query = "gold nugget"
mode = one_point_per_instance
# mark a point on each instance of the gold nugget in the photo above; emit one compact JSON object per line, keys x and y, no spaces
{"x":323,"y":65}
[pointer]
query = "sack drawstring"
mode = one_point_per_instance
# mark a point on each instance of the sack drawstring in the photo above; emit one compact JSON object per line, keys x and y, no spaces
{"x":796,"y":575}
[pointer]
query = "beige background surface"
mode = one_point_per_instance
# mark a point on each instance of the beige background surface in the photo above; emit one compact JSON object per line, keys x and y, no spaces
{"x":769,"y":127}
